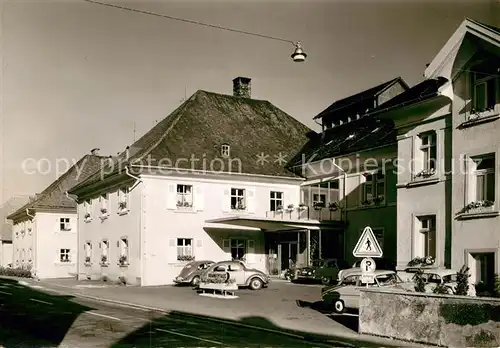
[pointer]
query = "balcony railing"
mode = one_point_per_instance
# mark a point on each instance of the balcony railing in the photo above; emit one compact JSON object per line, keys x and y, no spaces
{"x":305,"y":213}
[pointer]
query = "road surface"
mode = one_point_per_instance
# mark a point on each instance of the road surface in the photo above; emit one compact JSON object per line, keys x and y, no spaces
{"x":32,"y":318}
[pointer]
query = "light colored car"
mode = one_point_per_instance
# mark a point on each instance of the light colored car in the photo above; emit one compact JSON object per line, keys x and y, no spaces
{"x":245,"y":277}
{"x":448,"y":277}
{"x":382,"y":263}
{"x":408,"y":274}
{"x":192,"y":271}
{"x":347,"y":293}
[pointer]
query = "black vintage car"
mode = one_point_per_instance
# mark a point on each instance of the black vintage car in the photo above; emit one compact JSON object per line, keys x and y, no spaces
{"x":325,"y":271}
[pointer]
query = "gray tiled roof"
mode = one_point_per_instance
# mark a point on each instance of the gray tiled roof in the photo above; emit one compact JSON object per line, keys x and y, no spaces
{"x":206,"y":121}
{"x":54,"y":196}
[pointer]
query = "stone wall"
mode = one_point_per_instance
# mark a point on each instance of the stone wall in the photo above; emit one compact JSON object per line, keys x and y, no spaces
{"x":453,"y":321}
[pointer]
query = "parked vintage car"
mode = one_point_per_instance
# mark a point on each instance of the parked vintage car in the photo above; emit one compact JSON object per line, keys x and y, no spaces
{"x":435,"y":276}
{"x":346,"y":294}
{"x":381,"y":263}
{"x":408,"y":274}
{"x":245,"y":277}
{"x":191,"y":273}
{"x":325,"y":270}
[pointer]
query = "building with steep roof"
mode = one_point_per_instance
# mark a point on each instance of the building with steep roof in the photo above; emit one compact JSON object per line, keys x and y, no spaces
{"x":7,"y":208}
{"x":44,"y":232}
{"x":206,"y":182}
{"x":355,"y":153}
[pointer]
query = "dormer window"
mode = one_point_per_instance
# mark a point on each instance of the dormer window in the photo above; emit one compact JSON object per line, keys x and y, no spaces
{"x":225,"y":150}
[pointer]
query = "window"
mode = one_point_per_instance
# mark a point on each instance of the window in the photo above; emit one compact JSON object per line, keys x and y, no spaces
{"x":124,"y":247}
{"x":427,"y":235}
{"x":484,"y":178}
{"x":184,"y":247}
{"x":225,"y":150}
{"x":184,"y":196}
{"x":484,"y":92}
{"x":238,"y":199}
{"x":428,"y":150}
{"x":88,"y":250}
{"x":319,"y":199}
{"x":234,"y":267}
{"x":276,"y":200}
{"x":482,"y":268}
{"x":221,"y":268}
{"x":123,"y":199}
{"x":105,"y":248}
{"x":238,"y":249}
{"x":88,"y":206}
{"x":64,"y":255}
{"x":103,"y":200}
{"x":374,"y":187}
{"x":64,"y":224}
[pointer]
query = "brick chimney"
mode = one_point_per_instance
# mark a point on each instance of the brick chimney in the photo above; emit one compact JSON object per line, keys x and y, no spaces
{"x":241,"y":87}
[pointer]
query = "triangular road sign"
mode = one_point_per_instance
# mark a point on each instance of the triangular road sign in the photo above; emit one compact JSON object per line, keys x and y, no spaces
{"x":367,"y":245}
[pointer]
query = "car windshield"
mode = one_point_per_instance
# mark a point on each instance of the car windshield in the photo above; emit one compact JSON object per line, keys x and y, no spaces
{"x":350,"y":280}
{"x":388,"y":279}
{"x":451,"y":278}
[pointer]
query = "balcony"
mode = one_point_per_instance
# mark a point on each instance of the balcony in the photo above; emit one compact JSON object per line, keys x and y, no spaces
{"x":306,"y":213}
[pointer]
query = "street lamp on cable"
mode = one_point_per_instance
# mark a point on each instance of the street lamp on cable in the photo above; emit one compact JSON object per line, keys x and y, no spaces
{"x":297,"y":56}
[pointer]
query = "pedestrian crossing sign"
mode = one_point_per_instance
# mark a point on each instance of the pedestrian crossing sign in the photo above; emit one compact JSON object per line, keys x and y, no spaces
{"x":367,"y":245}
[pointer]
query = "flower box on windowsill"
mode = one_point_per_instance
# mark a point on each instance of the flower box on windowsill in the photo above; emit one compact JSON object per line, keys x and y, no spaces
{"x":476,"y":118}
{"x":185,"y":258}
{"x":123,"y":261}
{"x":123,"y":211}
{"x":421,"y":182}
{"x":478,"y":210}
{"x":104,"y":216}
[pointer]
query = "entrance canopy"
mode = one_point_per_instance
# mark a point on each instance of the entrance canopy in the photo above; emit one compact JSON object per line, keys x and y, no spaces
{"x":273,"y":224}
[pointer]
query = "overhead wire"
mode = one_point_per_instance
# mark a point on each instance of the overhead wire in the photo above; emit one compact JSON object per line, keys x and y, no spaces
{"x":189,"y":21}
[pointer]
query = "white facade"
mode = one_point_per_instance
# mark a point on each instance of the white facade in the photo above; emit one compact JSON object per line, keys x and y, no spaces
{"x":47,"y":243}
{"x":5,"y":254}
{"x":156,"y":234}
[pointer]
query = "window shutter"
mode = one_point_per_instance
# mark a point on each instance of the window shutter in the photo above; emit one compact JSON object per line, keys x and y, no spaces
{"x":199,"y":243}
{"x":250,"y":257}
{"x":251,"y":200}
{"x":226,"y":200}
{"x":172,"y":196}
{"x":172,"y":250}
{"x":57,"y":225}
{"x":198,"y":197}
{"x":226,"y":246}
{"x":72,"y":256}
{"x":58,"y":257}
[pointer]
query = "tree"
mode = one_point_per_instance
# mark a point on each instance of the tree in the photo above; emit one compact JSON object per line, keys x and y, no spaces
{"x":462,"y":281}
{"x":419,"y":281}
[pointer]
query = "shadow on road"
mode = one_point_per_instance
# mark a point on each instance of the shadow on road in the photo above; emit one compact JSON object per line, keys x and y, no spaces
{"x":33,"y":318}
{"x":178,"y":329}
{"x":349,"y":319}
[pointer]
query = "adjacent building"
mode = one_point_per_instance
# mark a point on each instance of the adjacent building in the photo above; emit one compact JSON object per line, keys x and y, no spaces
{"x":7,"y":208}
{"x":207,"y":182}
{"x":356,"y":153}
{"x":470,"y":62}
{"x":44,"y":232}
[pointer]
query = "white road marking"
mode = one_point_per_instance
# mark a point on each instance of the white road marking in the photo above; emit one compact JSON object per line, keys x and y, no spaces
{"x":102,"y":315}
{"x":189,"y":336}
{"x":40,"y":301}
{"x":6,"y":293}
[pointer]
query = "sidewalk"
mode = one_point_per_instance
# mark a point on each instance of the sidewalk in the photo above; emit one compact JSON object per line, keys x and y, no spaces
{"x":273,"y":308}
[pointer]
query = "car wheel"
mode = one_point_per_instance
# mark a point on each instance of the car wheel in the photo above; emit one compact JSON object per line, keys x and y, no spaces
{"x":338,"y":306}
{"x":195,"y":281}
{"x":326,"y":280}
{"x":256,"y":284}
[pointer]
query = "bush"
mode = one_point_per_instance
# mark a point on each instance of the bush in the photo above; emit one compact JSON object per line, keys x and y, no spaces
{"x":15,"y":272}
{"x":419,"y":282}
{"x":441,"y":289}
{"x":496,"y":285}
{"x":462,"y":281}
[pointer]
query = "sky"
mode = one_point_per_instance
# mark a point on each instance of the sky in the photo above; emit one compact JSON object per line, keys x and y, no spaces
{"x":77,"y":76}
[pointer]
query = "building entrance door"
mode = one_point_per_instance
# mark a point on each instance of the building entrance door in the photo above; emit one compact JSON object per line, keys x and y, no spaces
{"x":288,"y":255}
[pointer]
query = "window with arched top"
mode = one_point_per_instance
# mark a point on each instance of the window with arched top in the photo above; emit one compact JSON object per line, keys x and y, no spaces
{"x":225,"y":150}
